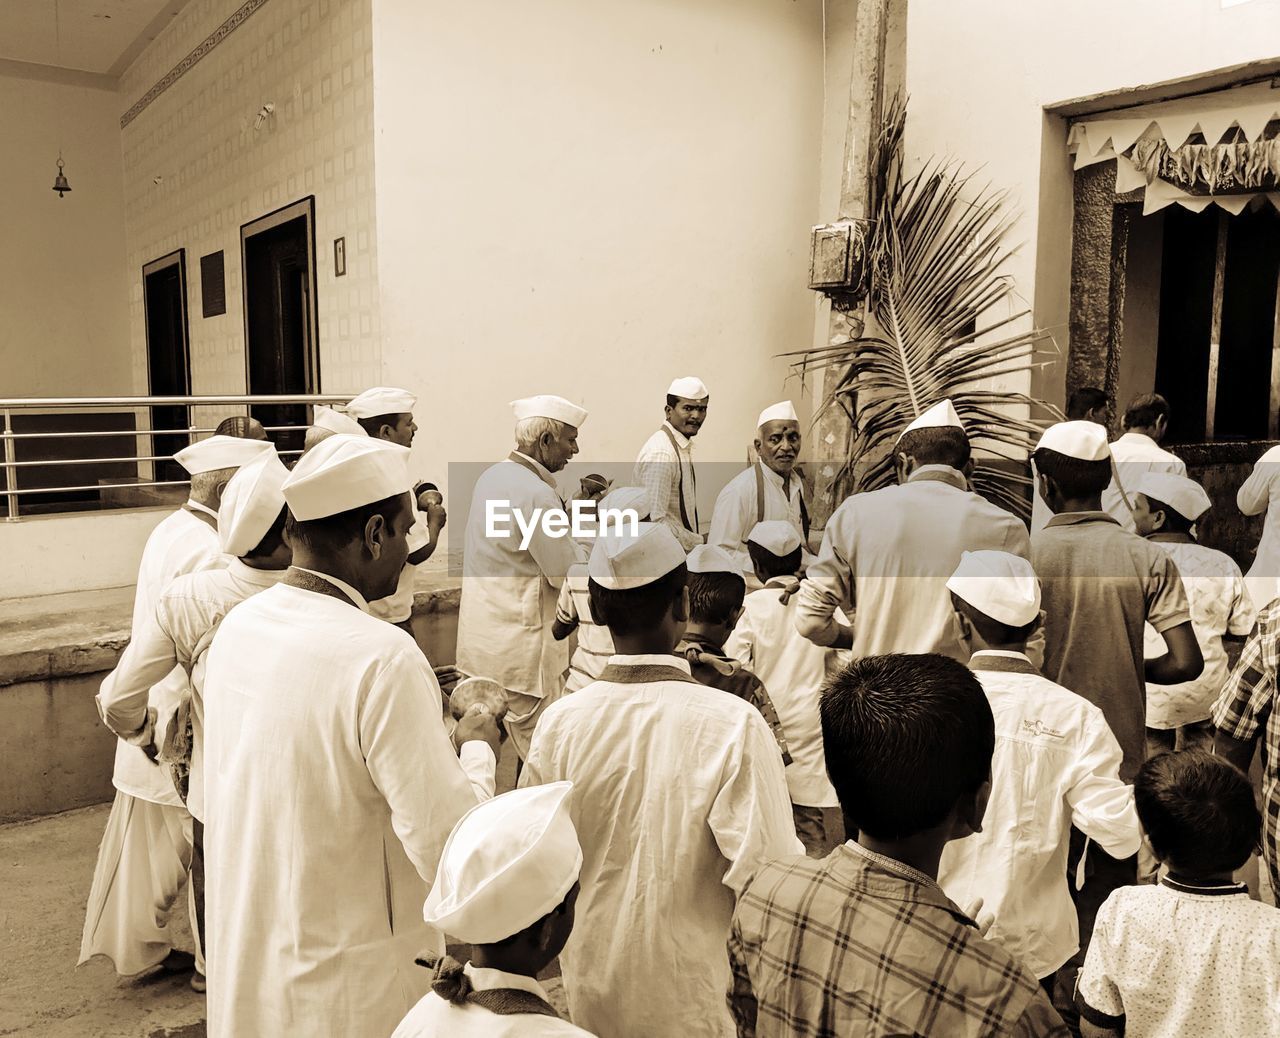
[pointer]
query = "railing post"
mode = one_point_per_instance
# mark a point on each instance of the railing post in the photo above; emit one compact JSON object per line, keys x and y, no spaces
{"x":10,"y":473}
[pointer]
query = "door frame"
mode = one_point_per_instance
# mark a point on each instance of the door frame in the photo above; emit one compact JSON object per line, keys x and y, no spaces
{"x":306,"y":208}
{"x":176,"y":258}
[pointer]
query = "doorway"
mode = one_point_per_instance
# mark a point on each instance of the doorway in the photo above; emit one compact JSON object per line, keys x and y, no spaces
{"x":164,"y":293}
{"x":278,"y":253}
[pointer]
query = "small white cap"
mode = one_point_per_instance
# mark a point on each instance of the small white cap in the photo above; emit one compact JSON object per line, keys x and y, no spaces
{"x":381,"y":400}
{"x":622,"y":498}
{"x":941,"y":415}
{"x":781,"y":412}
{"x":999,"y":584}
{"x":251,"y":503}
{"x":220,"y":452}
{"x":1185,"y":496}
{"x":1086,"y":441}
{"x":548,"y":406}
{"x":776,"y":536}
{"x":711,"y":558}
{"x":508,"y":862}
{"x":344,"y":472}
{"x":688,"y":388}
{"x":621,"y":562}
{"x":335,"y":421}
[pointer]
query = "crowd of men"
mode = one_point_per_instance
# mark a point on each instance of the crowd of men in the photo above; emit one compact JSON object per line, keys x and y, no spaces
{"x":933,"y":775}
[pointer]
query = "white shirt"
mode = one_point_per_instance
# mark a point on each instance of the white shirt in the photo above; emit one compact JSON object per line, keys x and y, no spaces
{"x":595,"y":643}
{"x":330,"y":788}
{"x":433,"y":1017}
{"x":793,"y":671}
{"x":1219,"y":605}
{"x":1056,"y":764}
{"x":889,"y":553}
{"x":662,"y":470}
{"x":508,"y":594}
{"x":181,"y":543}
{"x":1261,"y":493}
{"x":398,"y":606}
{"x":1193,"y":965}
{"x":1132,"y":455}
{"x":737,"y":510}
{"x":678,"y":797}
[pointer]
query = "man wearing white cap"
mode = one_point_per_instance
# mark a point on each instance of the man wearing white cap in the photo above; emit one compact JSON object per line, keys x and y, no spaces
{"x":1056,"y":764}
{"x":328,"y":420}
{"x":146,"y":849}
{"x":770,"y":489}
{"x":888,"y":553}
{"x":1136,"y":452}
{"x":251,"y":535}
{"x":330,"y":783}
{"x":507,"y":885}
{"x":679,"y":796}
{"x":664,"y":466}
{"x":509,"y":593}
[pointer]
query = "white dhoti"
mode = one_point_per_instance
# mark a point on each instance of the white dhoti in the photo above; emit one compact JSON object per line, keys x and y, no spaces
{"x":142,"y":863}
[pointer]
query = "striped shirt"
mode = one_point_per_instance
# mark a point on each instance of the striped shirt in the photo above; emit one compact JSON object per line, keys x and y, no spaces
{"x":595,"y":643}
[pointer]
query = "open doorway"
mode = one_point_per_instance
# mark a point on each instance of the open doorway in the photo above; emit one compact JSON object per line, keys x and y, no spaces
{"x":278,"y":255}
{"x":164,"y":293}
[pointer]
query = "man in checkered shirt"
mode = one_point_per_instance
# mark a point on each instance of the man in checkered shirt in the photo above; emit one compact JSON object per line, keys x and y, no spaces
{"x":864,"y":941}
{"x":1245,"y":710}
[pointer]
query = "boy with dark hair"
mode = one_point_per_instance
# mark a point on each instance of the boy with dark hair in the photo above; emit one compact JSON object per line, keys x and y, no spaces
{"x":766,"y":640}
{"x":864,"y":941}
{"x":1087,"y":404}
{"x":1194,"y":955}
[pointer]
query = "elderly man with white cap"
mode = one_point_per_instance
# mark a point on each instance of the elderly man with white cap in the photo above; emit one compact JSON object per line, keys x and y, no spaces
{"x":509,"y":592}
{"x":1056,"y":764}
{"x":507,"y":886}
{"x":146,"y":849}
{"x":888,"y":553}
{"x":330,"y":783}
{"x":769,"y":490}
{"x":664,"y":466}
{"x":679,"y":796}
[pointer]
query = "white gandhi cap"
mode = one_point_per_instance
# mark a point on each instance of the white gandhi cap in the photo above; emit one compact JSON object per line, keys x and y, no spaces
{"x":548,"y":406}
{"x":781,"y":412}
{"x":220,"y":452}
{"x":344,"y":472}
{"x":776,"y":536}
{"x":711,"y":558}
{"x":251,"y":504}
{"x":507,"y":863}
{"x":335,"y":421}
{"x":999,"y":584}
{"x":1185,"y":496}
{"x":688,"y":388}
{"x":941,"y":415}
{"x":621,"y":562}
{"x":1086,"y":441}
{"x":381,"y":400}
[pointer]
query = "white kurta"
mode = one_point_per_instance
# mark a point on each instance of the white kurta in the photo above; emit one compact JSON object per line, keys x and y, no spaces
{"x":1056,"y":764}
{"x":737,"y":511}
{"x":1132,"y":455}
{"x":433,"y":1017}
{"x":663,"y":470}
{"x":1261,"y":493}
{"x":509,"y":595}
{"x":889,"y":554}
{"x":330,"y":788}
{"x":679,"y":796}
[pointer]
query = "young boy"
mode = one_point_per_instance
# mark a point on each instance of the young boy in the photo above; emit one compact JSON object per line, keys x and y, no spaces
{"x":1192,"y":956}
{"x":507,"y":884}
{"x":1165,"y":509}
{"x":1056,"y":764}
{"x":864,"y":941}
{"x":765,"y":639}
{"x":716,"y":591}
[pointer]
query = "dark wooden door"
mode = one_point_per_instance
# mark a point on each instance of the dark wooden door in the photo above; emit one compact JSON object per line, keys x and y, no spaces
{"x":164,"y":285}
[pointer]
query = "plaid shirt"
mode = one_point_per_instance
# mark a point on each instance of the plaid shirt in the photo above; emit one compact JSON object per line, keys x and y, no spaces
{"x":1247,"y":707}
{"x":857,"y":943}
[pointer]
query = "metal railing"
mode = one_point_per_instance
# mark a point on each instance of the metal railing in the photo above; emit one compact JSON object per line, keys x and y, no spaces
{"x":142,"y":458}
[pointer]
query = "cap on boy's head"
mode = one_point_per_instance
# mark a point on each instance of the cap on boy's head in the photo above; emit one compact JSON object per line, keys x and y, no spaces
{"x":381,"y":400}
{"x":595,"y":483}
{"x":1185,"y":496}
{"x":776,"y":536}
{"x":335,"y":421}
{"x":711,"y":558}
{"x":621,"y":562}
{"x":507,"y":863}
{"x":999,"y":585}
{"x":547,"y":405}
{"x":220,"y":452}
{"x":941,"y":415}
{"x":620,"y":499}
{"x":688,"y":388}
{"x":251,"y":504}
{"x":1085,"y":441}
{"x":344,"y":472}
{"x":780,"y":412}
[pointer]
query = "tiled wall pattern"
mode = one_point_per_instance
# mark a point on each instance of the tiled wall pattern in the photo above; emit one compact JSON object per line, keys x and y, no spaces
{"x":196,"y":169}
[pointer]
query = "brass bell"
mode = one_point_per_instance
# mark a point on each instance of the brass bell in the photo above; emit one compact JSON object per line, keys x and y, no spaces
{"x":60,"y":184}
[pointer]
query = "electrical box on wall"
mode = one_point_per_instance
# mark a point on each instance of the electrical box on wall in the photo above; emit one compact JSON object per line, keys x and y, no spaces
{"x":838,"y":257}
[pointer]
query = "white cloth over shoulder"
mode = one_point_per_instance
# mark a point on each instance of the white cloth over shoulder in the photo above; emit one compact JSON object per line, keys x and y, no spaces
{"x":1260,"y":493}
{"x":433,"y":1017}
{"x":737,"y":509}
{"x":1133,"y":454}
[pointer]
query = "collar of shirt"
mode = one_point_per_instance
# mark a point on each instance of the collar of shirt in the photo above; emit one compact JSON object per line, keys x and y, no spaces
{"x":926,"y":892}
{"x":341,"y":585}
{"x":483,"y":979}
{"x":940,"y":474}
{"x":776,"y":480}
{"x":540,"y":468}
{"x":1078,"y":518}
{"x":1206,"y":889}
{"x":682,"y":441}
{"x":1002,"y":659}
{"x":650,"y":659}
{"x":698,"y":642}
{"x":1139,"y":440}
{"x":261,"y":577}
{"x":196,"y":506}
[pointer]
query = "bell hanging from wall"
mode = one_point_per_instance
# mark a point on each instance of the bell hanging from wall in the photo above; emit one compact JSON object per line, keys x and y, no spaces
{"x":60,"y":184}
